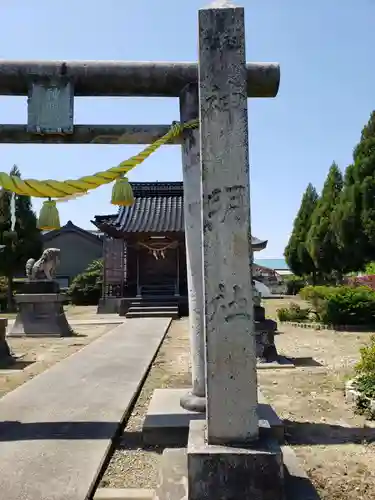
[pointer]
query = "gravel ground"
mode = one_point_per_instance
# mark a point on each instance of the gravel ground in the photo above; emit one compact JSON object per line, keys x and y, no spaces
{"x":34,"y":355}
{"x":132,"y":465}
{"x":335,"y":445}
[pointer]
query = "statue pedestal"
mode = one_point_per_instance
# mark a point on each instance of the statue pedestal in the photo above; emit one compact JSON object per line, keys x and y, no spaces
{"x":40,"y":287}
{"x":40,"y":315}
{"x":5,"y":355}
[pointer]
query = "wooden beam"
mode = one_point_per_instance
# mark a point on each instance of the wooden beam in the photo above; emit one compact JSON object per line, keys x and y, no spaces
{"x":121,"y":78}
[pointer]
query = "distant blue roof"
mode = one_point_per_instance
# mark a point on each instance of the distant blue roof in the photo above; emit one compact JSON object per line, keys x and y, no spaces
{"x":276,"y":264}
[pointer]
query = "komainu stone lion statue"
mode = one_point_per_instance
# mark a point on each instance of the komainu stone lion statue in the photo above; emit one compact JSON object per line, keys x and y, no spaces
{"x":45,"y":267}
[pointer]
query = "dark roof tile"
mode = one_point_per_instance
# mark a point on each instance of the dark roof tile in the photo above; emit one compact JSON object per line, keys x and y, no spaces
{"x":156,"y":214}
{"x":158,"y":208}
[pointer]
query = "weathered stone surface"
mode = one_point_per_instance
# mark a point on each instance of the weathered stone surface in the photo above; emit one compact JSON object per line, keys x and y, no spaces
{"x":228,"y":296}
{"x":45,"y":267}
{"x":167,"y":423}
{"x":50,"y":107}
{"x":40,"y":315}
{"x":191,"y":169}
{"x":230,"y":473}
{"x":39,"y":286}
{"x":174,"y":482}
{"x":127,"y":78}
{"x":89,"y":134}
{"x":110,"y":305}
{"x":56,"y":429}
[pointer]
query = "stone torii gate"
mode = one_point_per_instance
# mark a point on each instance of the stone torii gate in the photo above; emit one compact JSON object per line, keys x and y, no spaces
{"x":217,"y":217}
{"x":51,"y":87}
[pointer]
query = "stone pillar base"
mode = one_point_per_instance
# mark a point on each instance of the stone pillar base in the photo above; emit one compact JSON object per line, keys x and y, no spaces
{"x":167,"y":423}
{"x":229,"y":472}
{"x":191,"y":402}
{"x":40,"y":315}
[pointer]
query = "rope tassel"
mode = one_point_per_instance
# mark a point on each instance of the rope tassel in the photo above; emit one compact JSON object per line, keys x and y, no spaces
{"x":64,"y":189}
{"x":122,"y":193}
{"x":49,"y":218}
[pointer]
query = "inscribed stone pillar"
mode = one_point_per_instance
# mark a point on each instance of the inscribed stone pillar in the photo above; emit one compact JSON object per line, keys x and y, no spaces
{"x":189,"y":110}
{"x":228,"y":302}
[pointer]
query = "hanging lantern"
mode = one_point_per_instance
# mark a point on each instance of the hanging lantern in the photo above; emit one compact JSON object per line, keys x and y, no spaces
{"x":49,"y":216}
{"x":122,"y":193}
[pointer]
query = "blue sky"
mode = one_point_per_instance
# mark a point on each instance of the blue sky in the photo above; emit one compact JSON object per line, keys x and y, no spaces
{"x":327,"y":92}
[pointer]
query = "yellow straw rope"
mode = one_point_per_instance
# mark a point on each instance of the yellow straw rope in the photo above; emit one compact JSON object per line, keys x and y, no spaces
{"x":60,"y":189}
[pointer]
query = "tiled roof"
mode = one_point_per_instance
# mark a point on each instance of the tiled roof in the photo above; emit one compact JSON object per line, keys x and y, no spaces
{"x":158,"y":208}
{"x":146,"y":189}
{"x":152,"y":214}
{"x":258,"y":244}
{"x":105,"y":219}
{"x":71,"y":228}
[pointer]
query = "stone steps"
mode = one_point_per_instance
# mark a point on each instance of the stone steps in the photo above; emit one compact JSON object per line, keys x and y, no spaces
{"x":152,"y":307}
{"x":155,"y":313}
{"x":156,"y":308}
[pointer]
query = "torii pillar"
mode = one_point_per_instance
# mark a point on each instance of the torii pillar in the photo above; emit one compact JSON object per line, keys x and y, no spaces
{"x":195,"y":399}
{"x":231,"y":454}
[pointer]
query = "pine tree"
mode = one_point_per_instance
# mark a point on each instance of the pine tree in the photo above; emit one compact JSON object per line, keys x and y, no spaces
{"x":296,"y":252}
{"x":24,"y":242}
{"x":321,"y":239}
{"x":29,"y":236}
{"x":354,"y":218}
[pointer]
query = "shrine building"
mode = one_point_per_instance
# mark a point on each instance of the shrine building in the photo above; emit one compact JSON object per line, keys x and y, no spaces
{"x":145,"y":254}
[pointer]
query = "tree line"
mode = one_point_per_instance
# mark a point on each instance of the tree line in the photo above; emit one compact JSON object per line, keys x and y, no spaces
{"x":25,"y":241}
{"x":334,"y":233}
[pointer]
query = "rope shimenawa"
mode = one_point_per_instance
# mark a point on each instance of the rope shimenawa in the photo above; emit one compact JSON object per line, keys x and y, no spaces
{"x":64,"y":189}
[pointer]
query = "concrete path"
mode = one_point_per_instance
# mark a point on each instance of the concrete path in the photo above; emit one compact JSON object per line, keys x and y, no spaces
{"x":56,"y":429}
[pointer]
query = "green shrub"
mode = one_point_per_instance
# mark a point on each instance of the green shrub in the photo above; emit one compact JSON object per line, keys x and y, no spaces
{"x":293,"y":313}
{"x":316,"y":296}
{"x":365,"y":384}
{"x":86,"y":287}
{"x":312,"y":293}
{"x":348,"y":305}
{"x":367,"y":361}
{"x":294,"y":284}
{"x":370,"y":268}
{"x":365,"y":379}
{"x":341,"y":305}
